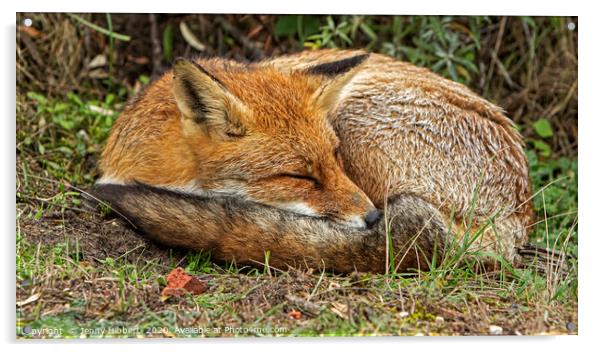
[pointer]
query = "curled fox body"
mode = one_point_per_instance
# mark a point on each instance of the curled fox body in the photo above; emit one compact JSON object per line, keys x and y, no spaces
{"x":294,"y":155}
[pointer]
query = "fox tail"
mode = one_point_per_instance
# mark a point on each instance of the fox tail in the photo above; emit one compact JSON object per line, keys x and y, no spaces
{"x":408,"y":236}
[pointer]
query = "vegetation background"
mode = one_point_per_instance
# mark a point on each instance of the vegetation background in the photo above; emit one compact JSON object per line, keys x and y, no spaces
{"x":78,"y":268}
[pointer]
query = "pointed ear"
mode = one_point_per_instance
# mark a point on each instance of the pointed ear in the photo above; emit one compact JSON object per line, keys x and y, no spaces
{"x":337,"y":75}
{"x":204,"y":100}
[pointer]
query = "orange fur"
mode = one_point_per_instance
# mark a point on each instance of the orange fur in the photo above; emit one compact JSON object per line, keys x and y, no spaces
{"x":155,"y":142}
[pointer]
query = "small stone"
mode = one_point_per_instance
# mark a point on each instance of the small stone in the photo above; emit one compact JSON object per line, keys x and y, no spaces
{"x":439,"y":320}
{"x":179,"y":282}
{"x":295,"y":314}
{"x":570,"y":326}
{"x":495,"y":330}
{"x":403,"y":314}
{"x":419,"y":334}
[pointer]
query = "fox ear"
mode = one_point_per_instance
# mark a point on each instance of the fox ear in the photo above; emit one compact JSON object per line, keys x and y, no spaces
{"x":337,"y":75}
{"x":204,"y":100}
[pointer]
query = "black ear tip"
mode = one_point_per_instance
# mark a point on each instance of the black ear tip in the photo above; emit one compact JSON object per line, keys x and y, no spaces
{"x":359,"y":59}
{"x":338,"y":67}
{"x":179,"y":65}
{"x":180,"y":61}
{"x":363,"y":57}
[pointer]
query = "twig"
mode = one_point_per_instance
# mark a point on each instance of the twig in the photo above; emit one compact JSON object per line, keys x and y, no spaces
{"x":256,"y":53}
{"x":49,"y":202}
{"x":118,"y":36}
{"x":559,"y":107}
{"x":267,"y":265}
{"x":503,"y":71}
{"x":156,"y":45}
{"x":31,"y":47}
{"x":309,"y":308}
{"x":496,"y":48}
{"x":89,"y":195}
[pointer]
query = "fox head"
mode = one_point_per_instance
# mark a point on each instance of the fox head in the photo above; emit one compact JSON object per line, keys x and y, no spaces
{"x":264,"y":134}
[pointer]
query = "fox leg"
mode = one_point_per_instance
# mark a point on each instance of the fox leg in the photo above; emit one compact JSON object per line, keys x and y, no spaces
{"x":242,"y":231}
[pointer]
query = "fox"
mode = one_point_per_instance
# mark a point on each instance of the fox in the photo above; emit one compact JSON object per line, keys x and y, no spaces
{"x":330,"y":158}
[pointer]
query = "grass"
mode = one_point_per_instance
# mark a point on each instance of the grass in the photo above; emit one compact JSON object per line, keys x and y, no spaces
{"x":122,"y":294}
{"x":75,"y":279}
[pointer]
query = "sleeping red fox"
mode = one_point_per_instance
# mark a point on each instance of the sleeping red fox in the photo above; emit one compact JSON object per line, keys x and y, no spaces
{"x":294,"y":155}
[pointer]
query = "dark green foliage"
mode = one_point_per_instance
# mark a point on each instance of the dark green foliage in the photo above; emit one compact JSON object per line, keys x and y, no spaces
{"x":66,"y":134}
{"x":555,"y":201}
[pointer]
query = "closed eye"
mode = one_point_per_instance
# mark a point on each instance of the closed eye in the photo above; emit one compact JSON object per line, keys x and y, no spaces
{"x":301,"y":177}
{"x":338,"y":157}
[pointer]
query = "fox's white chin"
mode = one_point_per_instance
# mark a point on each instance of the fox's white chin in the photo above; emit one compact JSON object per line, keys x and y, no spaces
{"x":299,"y":208}
{"x":356,"y":222}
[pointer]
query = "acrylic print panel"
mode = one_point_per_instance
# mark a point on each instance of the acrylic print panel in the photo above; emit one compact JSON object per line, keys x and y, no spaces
{"x":186,"y":175}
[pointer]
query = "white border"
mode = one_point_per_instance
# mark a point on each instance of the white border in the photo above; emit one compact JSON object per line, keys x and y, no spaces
{"x":590,"y":316}
{"x":375,"y":7}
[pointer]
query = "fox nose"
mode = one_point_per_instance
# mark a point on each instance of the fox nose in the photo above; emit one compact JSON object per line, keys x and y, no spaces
{"x":373,"y":217}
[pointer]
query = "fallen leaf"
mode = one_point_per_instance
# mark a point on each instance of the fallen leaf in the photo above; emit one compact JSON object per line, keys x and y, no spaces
{"x":101,"y":111}
{"x":340,"y":309}
{"x":29,"y":299}
{"x":98,"y":61}
{"x":32,"y":32}
{"x":141,"y":60}
{"x":98,"y":73}
{"x":190,"y":38}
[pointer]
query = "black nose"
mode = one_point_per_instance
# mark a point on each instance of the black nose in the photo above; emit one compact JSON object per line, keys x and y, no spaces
{"x":373,"y":217}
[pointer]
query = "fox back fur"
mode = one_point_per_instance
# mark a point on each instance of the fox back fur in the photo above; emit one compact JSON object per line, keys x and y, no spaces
{"x":293,"y":155}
